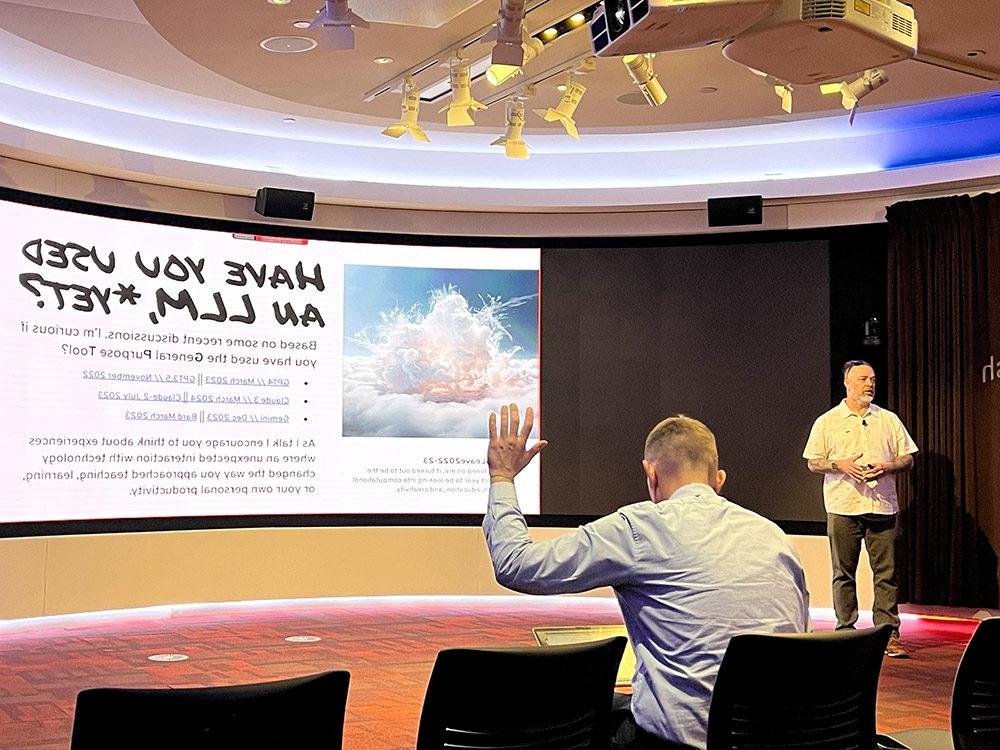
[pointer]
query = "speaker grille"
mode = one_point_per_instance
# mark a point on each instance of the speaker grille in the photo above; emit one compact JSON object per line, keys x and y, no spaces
{"x":902,"y":25}
{"x":815,"y":10}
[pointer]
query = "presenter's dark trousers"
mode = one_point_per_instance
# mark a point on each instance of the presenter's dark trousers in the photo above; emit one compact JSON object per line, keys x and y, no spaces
{"x":878,"y":533}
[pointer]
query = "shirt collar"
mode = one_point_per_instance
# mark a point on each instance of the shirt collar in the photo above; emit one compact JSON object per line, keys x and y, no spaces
{"x":696,"y":489}
{"x":845,"y":412}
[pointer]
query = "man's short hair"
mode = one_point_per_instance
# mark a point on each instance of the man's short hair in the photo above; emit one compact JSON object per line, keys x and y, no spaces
{"x":679,"y":441}
{"x":854,"y":363}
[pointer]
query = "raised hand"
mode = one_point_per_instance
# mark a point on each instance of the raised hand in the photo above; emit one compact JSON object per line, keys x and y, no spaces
{"x":507,"y":453}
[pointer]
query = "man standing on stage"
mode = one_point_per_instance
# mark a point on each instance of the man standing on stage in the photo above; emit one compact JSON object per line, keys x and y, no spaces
{"x":859,"y":447}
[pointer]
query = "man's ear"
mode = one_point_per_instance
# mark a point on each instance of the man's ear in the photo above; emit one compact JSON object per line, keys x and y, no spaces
{"x":720,"y":479}
{"x":651,"y":483}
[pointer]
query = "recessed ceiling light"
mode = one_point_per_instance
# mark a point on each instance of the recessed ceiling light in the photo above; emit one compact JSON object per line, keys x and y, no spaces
{"x":288,"y":44}
{"x":708,"y":89}
{"x":550,"y":33}
{"x":560,"y":87}
{"x":383,"y":60}
{"x":576,"y":19}
{"x":288,"y":119}
{"x":279,"y":2}
{"x":301,"y":24}
{"x":975,"y":53}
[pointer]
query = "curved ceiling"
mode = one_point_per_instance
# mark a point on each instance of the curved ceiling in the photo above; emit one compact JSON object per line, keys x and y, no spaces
{"x":182,"y":92}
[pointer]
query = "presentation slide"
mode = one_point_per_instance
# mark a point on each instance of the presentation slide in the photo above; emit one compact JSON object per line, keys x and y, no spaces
{"x":160,"y":371}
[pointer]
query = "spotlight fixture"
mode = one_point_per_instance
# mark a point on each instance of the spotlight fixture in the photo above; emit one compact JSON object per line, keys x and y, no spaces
{"x":410,"y":111}
{"x":563,"y":112}
{"x":852,"y":93}
{"x":508,"y":32}
{"x":782,"y":89}
{"x":462,"y":104}
{"x":499,"y":73}
{"x":513,"y":144}
{"x":640,"y":67}
{"x":336,"y":22}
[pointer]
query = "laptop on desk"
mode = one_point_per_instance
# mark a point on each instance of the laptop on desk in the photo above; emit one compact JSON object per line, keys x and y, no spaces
{"x":564,"y":635}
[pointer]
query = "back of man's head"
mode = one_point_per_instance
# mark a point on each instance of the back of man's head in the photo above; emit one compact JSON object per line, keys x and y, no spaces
{"x":680,"y":445}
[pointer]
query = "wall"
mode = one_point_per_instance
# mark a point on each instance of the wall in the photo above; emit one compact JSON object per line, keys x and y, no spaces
{"x":800,"y":213}
{"x":57,"y":575}
{"x":66,"y":574}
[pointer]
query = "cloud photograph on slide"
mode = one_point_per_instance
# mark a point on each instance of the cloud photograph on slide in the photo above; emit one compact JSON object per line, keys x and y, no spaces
{"x":429,"y":352}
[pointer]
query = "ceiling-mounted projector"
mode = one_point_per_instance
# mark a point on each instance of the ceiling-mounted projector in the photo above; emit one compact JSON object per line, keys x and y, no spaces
{"x":811,"y":41}
{"x":627,"y":27}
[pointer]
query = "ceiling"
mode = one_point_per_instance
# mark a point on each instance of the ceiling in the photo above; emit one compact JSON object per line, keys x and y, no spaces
{"x":182,"y":92}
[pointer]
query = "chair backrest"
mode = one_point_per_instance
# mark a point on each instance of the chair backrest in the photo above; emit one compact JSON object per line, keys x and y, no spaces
{"x":547,"y":697}
{"x":975,"y":701}
{"x":799,"y":691}
{"x":306,"y":713}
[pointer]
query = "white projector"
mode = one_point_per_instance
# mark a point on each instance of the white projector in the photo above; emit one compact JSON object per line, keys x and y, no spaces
{"x":627,"y":27}
{"x":811,"y":41}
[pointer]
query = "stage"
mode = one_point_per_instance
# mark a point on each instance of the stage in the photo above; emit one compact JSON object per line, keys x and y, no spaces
{"x":387,"y":643}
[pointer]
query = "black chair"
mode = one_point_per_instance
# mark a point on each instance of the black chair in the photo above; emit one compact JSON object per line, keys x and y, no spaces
{"x":975,"y":699}
{"x":543,"y":698}
{"x":306,"y":713}
{"x":806,"y":691}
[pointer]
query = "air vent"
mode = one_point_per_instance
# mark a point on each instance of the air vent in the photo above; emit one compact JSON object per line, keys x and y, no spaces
{"x":902,"y":25}
{"x":816,"y":10}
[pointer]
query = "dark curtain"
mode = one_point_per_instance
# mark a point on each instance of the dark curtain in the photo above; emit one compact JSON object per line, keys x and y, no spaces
{"x":944,"y":382}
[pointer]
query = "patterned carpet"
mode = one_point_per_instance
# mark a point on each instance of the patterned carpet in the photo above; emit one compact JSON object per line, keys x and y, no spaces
{"x":388,"y":644}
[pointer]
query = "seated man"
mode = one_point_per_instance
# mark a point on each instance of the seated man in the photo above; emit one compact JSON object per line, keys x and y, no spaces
{"x":690,"y":570}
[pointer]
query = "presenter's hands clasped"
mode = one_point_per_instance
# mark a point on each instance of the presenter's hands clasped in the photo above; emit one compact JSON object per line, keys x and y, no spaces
{"x":508,"y":453}
{"x":851,"y":468}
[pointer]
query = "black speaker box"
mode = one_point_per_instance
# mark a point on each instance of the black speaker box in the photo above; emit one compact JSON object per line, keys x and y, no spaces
{"x":730,"y":212}
{"x":285,"y":204}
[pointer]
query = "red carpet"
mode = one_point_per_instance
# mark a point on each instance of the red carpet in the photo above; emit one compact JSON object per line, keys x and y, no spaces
{"x":388,"y":645}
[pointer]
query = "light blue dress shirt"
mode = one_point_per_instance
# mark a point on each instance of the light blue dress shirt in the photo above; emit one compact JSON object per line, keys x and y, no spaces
{"x":689,"y":573}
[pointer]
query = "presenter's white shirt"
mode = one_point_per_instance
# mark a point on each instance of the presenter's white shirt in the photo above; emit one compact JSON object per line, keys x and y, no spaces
{"x":689,"y":572}
{"x":879,"y":436}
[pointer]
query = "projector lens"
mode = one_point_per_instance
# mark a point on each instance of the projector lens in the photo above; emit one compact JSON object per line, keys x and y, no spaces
{"x":617,"y":13}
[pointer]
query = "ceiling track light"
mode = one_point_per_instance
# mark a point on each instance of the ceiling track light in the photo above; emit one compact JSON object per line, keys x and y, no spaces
{"x":462,"y":104}
{"x":852,"y":93}
{"x":512,"y":140}
{"x":498,"y":73}
{"x":563,"y":112}
{"x":508,"y":32}
{"x":336,"y":22}
{"x":640,"y":67}
{"x":783,"y":90}
{"x":438,"y":87}
{"x":408,"y":118}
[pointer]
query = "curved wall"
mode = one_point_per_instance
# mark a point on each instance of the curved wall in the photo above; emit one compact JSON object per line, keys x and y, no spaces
{"x":58,"y":575}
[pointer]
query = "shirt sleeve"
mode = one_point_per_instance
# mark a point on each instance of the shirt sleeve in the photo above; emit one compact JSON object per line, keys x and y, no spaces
{"x":816,"y":444}
{"x":904,"y":443}
{"x":601,"y":553}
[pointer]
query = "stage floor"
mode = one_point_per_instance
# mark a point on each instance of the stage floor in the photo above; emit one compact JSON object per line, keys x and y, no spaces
{"x":387,"y":643}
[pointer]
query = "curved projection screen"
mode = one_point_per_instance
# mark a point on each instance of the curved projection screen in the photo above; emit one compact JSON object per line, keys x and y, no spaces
{"x":158,"y":371}
{"x":165,"y":372}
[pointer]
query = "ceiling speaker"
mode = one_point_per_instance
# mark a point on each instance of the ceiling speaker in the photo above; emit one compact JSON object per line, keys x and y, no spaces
{"x":730,"y":212}
{"x":285,"y":204}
